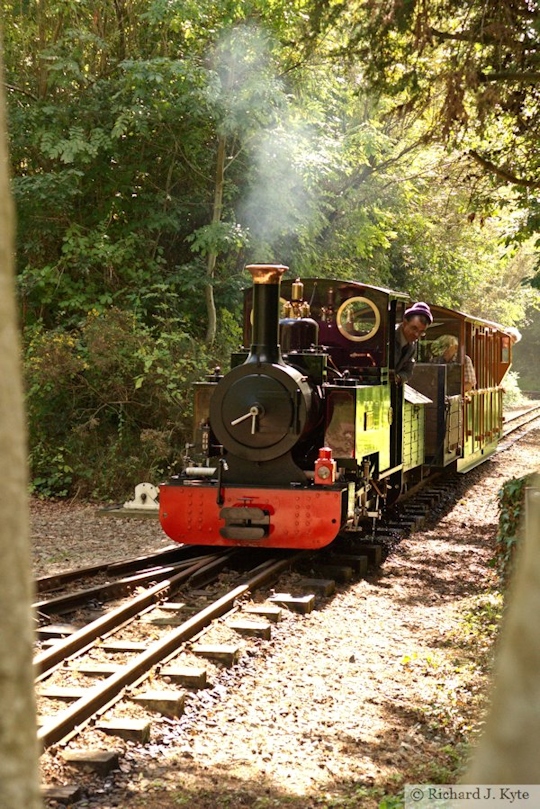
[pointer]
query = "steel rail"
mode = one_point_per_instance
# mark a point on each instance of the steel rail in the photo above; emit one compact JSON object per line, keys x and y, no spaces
{"x":110,"y":590}
{"x":167,"y":556}
{"x":47,"y":660}
{"x":110,"y":690}
{"x":523,"y":418}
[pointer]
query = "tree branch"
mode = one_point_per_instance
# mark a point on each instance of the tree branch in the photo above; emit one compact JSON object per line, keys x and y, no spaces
{"x":502,"y":173}
{"x":12,"y":88}
{"x":510,"y":75}
{"x":473,"y":38}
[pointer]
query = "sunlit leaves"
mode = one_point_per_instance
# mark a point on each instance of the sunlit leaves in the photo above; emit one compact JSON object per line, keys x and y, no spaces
{"x":217,"y":237}
{"x":475,"y":65}
{"x":116,"y":120}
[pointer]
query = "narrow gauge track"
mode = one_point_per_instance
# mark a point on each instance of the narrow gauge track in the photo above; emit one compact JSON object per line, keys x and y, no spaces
{"x":136,"y":660}
{"x":138,"y":647}
{"x":517,"y":421}
{"x":56,"y":581}
{"x":109,"y":581}
{"x":127,"y":634}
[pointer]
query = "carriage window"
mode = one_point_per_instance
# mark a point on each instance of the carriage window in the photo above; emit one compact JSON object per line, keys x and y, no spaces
{"x":358,"y":319}
{"x":505,"y":349}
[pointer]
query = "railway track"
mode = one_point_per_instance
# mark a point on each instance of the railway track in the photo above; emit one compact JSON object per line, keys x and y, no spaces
{"x":59,"y":580}
{"x":154,"y":648}
{"x":126,"y":646}
{"x":109,"y":581}
{"x":152,"y":637}
{"x":518,"y":424}
{"x":157,"y":580}
{"x":149,"y":655}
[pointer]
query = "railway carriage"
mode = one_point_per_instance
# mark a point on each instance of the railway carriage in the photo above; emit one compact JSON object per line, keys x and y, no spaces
{"x":463,"y":427}
{"x":308,"y":437}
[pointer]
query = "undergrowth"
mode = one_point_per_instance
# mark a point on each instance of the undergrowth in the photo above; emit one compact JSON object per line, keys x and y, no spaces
{"x":511,"y":517}
{"x":109,"y":404}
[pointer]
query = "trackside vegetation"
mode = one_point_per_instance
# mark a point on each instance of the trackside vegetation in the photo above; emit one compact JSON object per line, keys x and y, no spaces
{"x":158,"y":147}
{"x":512,"y":512}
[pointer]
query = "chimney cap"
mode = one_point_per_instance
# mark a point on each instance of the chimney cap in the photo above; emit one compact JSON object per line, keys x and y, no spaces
{"x":266,"y":273}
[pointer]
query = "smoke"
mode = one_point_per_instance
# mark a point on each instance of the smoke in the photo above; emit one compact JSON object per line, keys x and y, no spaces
{"x":278,"y":202}
{"x":278,"y":151}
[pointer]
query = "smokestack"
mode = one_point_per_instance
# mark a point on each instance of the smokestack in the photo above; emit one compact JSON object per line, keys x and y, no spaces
{"x":266,"y":287}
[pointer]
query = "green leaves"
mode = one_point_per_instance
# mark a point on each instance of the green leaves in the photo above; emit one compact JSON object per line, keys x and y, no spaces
{"x":511,"y":515}
{"x":76,"y":146}
{"x":217,"y":237}
{"x":470,"y":71}
{"x":158,"y":147}
{"x":109,"y":384}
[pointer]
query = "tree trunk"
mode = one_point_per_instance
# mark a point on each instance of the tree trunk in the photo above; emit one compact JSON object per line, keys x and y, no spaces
{"x":507,"y":752}
{"x":19,"y":783}
{"x":212,"y":257}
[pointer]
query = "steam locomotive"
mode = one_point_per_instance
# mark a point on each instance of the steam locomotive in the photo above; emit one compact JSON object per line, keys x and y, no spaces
{"x":308,"y":436}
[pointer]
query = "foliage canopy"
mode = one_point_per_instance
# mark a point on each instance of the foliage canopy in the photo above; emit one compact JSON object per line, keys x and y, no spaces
{"x":157,"y":147}
{"x":474,"y":67}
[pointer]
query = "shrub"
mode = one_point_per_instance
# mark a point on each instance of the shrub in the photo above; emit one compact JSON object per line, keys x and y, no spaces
{"x":110,"y":404}
{"x":513,"y":396}
{"x":511,"y":512}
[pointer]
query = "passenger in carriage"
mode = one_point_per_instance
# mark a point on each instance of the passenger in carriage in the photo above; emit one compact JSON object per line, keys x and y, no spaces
{"x":469,"y":376}
{"x":415,"y":322}
{"x":444,"y":350}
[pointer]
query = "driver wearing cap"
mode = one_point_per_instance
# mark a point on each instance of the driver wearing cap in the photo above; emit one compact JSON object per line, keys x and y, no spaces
{"x":413,"y":326}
